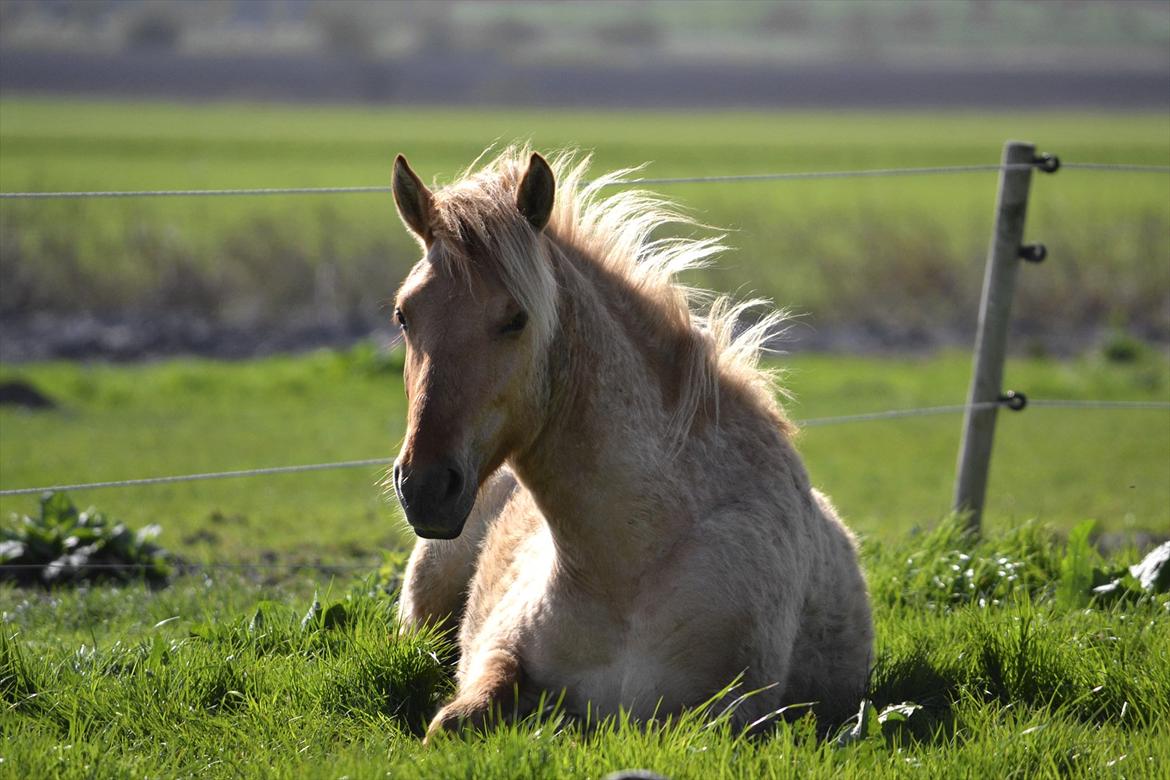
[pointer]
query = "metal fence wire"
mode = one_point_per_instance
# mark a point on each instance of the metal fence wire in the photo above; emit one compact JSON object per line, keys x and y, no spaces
{"x":813,"y":422}
{"x":1047,"y":163}
{"x":740,"y":178}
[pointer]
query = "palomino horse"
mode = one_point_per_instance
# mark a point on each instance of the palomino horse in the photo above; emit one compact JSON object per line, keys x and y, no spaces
{"x":609,"y":503}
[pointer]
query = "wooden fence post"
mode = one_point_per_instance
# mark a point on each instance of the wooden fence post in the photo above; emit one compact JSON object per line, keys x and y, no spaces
{"x":999,"y":284}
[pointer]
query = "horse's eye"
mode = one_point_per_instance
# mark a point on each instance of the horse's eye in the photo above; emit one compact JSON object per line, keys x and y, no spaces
{"x":398,"y":315}
{"x":516,"y":324}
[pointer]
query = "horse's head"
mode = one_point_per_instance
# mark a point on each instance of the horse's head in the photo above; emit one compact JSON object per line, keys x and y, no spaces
{"x":477,"y":314}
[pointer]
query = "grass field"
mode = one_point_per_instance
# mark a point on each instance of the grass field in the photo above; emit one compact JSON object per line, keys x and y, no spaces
{"x":991,"y":662}
{"x":900,"y":254}
{"x":888,"y":477}
{"x":1015,"y":669}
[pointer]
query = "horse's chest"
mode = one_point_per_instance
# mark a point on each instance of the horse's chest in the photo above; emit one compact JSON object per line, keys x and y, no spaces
{"x":605,"y":680}
{"x":607,"y":664}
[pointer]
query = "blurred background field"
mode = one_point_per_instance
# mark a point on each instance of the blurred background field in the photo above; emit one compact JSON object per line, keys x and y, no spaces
{"x":873,"y":263}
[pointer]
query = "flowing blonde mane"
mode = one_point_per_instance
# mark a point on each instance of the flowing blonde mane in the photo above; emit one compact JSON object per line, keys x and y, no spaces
{"x":478,"y":218}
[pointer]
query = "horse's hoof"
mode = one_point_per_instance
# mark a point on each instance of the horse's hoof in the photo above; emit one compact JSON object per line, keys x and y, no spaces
{"x":449,"y":720}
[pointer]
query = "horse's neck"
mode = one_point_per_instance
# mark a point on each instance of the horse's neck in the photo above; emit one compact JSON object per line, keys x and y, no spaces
{"x":605,"y":469}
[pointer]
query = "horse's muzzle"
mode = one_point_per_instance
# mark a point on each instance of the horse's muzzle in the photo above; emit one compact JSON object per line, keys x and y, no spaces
{"x":436,"y":498}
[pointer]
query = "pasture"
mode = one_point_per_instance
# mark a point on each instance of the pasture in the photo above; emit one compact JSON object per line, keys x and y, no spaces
{"x":886,"y":260}
{"x":992,"y":661}
{"x":888,"y":477}
{"x":1005,"y":660}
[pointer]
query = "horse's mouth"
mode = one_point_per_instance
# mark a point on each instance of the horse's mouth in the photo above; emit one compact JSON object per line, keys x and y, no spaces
{"x":439,"y":527}
{"x":434,"y":532}
{"x":437,"y":507}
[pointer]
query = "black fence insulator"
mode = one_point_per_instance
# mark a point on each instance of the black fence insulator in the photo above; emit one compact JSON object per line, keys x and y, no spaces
{"x":1013,"y":400}
{"x":1049,"y":163}
{"x":1033,"y":253}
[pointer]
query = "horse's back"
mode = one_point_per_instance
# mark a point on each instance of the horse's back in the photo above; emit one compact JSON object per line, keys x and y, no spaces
{"x":791,"y":563}
{"x":810,"y":630}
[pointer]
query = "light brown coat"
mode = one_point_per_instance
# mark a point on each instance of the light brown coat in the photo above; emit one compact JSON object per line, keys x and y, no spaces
{"x":642,"y":530}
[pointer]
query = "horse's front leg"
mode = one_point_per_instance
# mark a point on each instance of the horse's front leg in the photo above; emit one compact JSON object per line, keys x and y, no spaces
{"x":434,"y":586}
{"x":491,"y":688}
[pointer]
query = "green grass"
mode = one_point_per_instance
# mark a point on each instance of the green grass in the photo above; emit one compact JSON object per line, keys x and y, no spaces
{"x":897,"y":253}
{"x":887,"y":477}
{"x":188,"y":416}
{"x":1016,"y":672}
{"x":1015,"y":676}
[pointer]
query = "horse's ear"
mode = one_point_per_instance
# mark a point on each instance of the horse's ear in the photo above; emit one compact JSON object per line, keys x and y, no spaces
{"x":536,"y":193}
{"x":415,"y":203}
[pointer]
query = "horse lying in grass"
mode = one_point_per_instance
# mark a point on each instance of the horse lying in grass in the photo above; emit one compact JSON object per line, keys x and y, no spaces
{"x":609,"y":503}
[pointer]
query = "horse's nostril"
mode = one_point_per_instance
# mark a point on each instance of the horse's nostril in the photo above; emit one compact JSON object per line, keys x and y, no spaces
{"x":454,"y":483}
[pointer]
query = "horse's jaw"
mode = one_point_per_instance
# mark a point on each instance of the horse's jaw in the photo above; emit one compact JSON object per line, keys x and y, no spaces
{"x":433,"y":533}
{"x":445,"y":525}
{"x":432,"y":530}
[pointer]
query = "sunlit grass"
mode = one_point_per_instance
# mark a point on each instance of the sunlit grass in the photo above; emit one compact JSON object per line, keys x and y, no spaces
{"x":225,"y":676}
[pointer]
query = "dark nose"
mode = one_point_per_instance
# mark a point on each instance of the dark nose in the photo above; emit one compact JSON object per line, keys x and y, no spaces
{"x":434,"y":497}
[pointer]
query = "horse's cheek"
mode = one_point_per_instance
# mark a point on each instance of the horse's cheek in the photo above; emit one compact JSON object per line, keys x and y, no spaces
{"x":410,"y":373}
{"x":506,"y":416}
{"x":510,"y":398}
